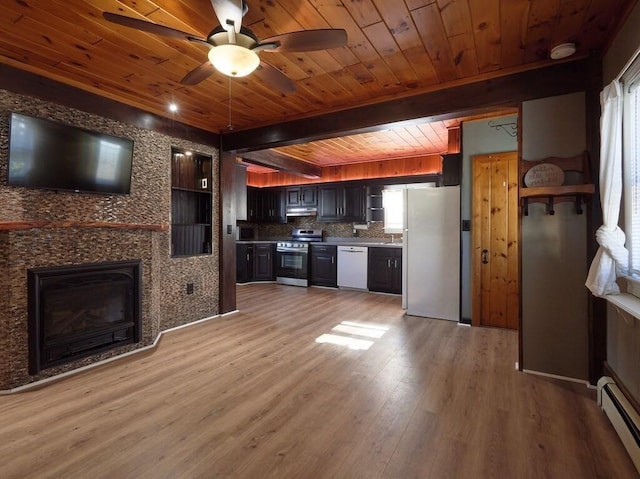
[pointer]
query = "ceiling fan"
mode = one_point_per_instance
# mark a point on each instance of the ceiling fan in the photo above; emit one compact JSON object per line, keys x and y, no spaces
{"x":234,"y":49}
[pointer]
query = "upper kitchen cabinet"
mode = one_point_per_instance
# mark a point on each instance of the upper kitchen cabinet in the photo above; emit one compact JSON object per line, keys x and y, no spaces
{"x":302,"y":196}
{"x":266,"y":205}
{"x":191,"y":201}
{"x":341,"y":202}
{"x":451,"y":169}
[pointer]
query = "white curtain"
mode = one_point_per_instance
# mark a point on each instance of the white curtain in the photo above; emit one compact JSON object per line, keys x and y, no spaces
{"x":612,"y":258}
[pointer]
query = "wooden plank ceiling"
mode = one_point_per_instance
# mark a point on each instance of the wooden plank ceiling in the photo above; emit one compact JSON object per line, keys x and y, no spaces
{"x":421,"y":139}
{"x":395,"y":48}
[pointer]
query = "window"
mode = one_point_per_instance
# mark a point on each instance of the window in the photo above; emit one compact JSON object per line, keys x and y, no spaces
{"x":393,"y":204}
{"x":631,"y":162}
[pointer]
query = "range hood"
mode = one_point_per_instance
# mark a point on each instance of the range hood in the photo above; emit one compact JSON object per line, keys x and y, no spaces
{"x":302,"y":210}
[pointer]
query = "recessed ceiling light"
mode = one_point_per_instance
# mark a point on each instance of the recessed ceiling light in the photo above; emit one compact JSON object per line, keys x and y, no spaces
{"x":563,"y":50}
{"x":173,"y":107}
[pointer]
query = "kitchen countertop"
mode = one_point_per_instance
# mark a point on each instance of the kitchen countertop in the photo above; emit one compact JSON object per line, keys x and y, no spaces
{"x":364,"y":242}
{"x":368,"y":242}
{"x":258,"y":241}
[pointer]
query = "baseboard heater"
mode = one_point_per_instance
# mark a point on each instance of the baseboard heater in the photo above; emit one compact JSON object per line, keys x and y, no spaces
{"x":622,"y":415}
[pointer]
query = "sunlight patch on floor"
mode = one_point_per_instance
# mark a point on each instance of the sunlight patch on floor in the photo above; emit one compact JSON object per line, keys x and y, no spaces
{"x":353,"y":328}
{"x":359,"y":331}
{"x":351,"y":343}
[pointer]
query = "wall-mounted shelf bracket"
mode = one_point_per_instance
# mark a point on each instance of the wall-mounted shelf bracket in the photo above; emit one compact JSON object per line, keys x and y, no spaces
{"x":526,"y":206}
{"x":550,"y":209}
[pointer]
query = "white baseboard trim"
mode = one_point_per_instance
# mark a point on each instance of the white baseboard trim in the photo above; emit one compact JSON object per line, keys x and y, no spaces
{"x":43,"y":382}
{"x":555,"y":376}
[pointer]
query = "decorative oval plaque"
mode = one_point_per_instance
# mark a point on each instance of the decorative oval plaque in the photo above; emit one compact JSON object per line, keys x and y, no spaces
{"x":544,"y":174}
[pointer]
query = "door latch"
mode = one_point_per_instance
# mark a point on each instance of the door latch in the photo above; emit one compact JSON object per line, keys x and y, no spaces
{"x":485,"y":260}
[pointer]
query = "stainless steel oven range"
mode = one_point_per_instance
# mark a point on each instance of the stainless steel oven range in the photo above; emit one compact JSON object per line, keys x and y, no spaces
{"x":293,"y":257}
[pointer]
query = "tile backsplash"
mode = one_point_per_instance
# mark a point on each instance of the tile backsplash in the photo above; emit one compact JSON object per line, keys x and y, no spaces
{"x":334,"y":230}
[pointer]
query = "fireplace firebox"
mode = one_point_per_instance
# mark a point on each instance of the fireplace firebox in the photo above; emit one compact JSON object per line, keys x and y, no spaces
{"x":81,"y":310}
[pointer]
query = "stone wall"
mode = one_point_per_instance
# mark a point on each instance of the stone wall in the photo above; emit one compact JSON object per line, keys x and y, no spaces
{"x":165,"y":303}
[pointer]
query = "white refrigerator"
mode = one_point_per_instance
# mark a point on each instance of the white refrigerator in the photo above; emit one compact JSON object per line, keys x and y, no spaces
{"x":431,"y":252}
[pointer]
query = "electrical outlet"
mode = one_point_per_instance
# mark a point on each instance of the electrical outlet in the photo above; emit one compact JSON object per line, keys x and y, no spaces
{"x":189,"y":288}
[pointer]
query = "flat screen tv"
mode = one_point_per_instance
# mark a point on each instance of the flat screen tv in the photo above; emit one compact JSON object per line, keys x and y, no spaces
{"x":47,"y":154}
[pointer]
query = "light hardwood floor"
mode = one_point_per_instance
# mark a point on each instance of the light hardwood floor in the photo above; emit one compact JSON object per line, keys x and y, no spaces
{"x":253,"y":395}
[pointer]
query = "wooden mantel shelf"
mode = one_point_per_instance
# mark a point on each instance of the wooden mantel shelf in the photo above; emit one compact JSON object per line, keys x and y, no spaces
{"x":27,"y":225}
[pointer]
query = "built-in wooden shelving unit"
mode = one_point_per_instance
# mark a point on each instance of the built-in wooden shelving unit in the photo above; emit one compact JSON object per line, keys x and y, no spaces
{"x":191,"y":203}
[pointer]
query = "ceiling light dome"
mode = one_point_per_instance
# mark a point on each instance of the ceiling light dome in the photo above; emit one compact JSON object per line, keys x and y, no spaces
{"x":234,"y":60}
{"x":563,"y":50}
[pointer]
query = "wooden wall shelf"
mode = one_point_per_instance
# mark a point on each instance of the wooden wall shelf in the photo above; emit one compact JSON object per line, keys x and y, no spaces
{"x":550,"y":195}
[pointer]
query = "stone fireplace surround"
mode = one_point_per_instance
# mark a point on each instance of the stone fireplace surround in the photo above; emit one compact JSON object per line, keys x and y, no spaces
{"x":41,"y":228}
{"x":99,"y":245}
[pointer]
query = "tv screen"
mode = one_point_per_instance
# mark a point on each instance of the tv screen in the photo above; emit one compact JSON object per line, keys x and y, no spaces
{"x":46,"y":154}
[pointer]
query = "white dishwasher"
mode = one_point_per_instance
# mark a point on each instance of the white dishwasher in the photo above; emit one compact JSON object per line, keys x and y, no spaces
{"x":352,"y":267}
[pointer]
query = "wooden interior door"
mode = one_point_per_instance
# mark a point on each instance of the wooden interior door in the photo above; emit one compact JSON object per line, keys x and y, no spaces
{"x":495,"y":249}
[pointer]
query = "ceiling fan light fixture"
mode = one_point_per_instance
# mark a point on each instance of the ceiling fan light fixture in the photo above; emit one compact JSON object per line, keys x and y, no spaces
{"x":233,"y":60}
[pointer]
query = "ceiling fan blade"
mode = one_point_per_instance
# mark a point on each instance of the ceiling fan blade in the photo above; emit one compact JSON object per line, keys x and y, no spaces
{"x":148,"y":26}
{"x":229,"y":12}
{"x":308,"y":40}
{"x":198,"y":74}
{"x":275,"y":78}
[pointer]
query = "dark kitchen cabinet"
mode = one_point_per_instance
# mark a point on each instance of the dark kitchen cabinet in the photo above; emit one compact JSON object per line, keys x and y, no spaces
{"x":263,"y":262}
{"x":278,"y":204}
{"x":257,"y":210}
{"x":266,"y":205}
{"x":329,"y":203}
{"x":324,"y":265}
{"x":244,"y":263}
{"x":255,"y":262}
{"x":340,"y":202}
{"x":191,"y":201}
{"x":385,"y":270}
{"x":302,"y":196}
{"x":451,"y":169}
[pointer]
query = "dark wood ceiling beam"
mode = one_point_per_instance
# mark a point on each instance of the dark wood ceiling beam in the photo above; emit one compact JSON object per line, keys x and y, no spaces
{"x":556,"y":79}
{"x":283,"y":163}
